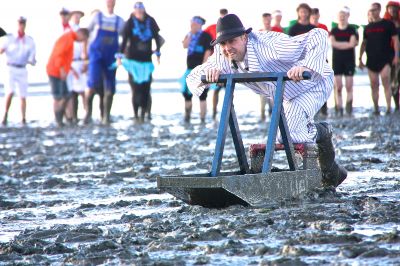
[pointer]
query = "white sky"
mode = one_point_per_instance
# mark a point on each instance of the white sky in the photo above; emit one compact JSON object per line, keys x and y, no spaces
{"x":173,"y":17}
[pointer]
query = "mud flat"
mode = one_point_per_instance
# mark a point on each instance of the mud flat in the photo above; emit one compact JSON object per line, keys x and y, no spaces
{"x":87,"y":195}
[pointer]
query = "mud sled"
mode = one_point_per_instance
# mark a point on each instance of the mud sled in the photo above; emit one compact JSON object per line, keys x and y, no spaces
{"x":257,"y":184}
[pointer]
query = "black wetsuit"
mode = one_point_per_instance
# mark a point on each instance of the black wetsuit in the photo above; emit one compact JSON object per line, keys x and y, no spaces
{"x":379,"y":49}
{"x":343,"y":61}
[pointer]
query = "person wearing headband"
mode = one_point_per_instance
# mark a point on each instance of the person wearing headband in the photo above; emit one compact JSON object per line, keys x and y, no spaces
{"x":137,"y":39}
{"x":197,"y":43}
{"x":344,"y":39}
{"x":20,"y":50}
{"x":239,"y":50}
{"x":277,"y":18}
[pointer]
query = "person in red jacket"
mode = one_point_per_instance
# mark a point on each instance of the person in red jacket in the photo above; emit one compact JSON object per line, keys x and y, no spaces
{"x":314,"y":19}
{"x":58,"y":67}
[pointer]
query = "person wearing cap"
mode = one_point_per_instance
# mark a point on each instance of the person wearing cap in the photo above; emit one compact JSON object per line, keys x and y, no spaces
{"x":238,"y":50}
{"x":344,"y":39}
{"x":77,"y":77}
{"x":58,"y":67}
{"x":303,"y":24}
{"x":197,"y":43}
{"x":277,"y":18}
{"x":139,"y":32}
{"x":392,"y":14}
{"x":65,"y":15}
{"x":212,"y":31}
{"x":105,"y":29}
{"x":20,"y":50}
{"x":377,"y":42}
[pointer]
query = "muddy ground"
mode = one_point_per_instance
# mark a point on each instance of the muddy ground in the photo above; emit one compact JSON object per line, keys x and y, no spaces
{"x":87,"y":195}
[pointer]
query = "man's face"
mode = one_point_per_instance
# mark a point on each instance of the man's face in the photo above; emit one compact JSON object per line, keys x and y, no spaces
{"x":393,"y":11}
{"x":314,"y":19}
{"x":343,"y":17}
{"x":139,"y":13}
{"x":267,"y":21}
{"x":374,"y":11}
{"x":235,"y":49}
{"x":278,"y":18}
{"x":65,"y":18}
{"x":303,"y":14}
{"x":110,"y":4}
{"x":195,"y":27}
{"x":21,"y":26}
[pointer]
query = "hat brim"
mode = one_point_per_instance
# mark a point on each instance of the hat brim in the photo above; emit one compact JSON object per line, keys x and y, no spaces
{"x":229,"y":36}
{"x":77,"y":12}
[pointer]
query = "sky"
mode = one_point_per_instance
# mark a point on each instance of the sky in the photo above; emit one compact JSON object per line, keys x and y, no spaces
{"x":172,"y":16}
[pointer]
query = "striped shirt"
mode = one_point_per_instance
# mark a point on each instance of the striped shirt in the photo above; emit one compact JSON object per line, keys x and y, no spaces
{"x":277,"y":52}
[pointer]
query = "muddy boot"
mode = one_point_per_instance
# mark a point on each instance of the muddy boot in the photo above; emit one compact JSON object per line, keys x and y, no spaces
{"x":107,"y":100}
{"x":332,"y":173}
{"x":349,"y":107}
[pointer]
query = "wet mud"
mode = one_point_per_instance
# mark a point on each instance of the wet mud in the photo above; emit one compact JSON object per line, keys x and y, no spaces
{"x":87,"y":196}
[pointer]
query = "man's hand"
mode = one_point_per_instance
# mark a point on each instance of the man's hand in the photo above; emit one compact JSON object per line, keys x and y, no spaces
{"x":63,"y":74}
{"x":212,"y":75}
{"x":296,"y":73}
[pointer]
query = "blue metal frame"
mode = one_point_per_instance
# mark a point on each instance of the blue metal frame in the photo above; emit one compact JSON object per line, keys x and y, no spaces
{"x":228,"y":116}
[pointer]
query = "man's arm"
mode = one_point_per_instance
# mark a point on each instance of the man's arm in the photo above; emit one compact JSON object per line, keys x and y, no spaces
{"x":344,"y":45}
{"x":362,"y":50}
{"x":214,"y":65}
{"x":395,"y":40}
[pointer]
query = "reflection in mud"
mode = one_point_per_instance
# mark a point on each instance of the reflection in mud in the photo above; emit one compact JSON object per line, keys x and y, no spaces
{"x":87,"y":195}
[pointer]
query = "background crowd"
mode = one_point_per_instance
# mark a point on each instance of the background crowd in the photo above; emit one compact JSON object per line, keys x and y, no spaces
{"x":83,"y":61}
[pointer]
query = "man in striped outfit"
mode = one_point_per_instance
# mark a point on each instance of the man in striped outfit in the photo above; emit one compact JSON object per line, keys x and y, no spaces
{"x":237,"y":50}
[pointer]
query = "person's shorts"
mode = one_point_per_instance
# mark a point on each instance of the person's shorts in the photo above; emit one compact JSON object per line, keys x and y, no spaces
{"x":188,"y":96}
{"x":16,"y":81}
{"x":343,"y":67}
{"x":59,"y":88}
{"x":377,"y":64}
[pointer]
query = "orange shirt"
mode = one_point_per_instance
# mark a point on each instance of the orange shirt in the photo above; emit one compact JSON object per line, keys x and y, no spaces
{"x":62,"y":54}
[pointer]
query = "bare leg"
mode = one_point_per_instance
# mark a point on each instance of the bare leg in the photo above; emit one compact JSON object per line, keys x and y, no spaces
{"x":263,"y":102}
{"x":385,"y":78}
{"x":203,"y":110}
{"x":23,"y":110}
{"x":7,"y":107}
{"x":215,"y":103}
{"x":89,"y":95}
{"x":374,"y":80}
{"x":338,"y":95}
{"x":188,"y":110}
{"x":349,"y":90}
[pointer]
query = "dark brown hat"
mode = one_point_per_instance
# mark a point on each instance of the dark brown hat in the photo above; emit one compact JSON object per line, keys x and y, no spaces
{"x":229,"y":27}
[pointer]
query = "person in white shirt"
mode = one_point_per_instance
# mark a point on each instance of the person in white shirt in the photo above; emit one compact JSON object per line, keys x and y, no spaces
{"x":238,"y":50}
{"x":20,"y":50}
{"x":77,"y":77}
